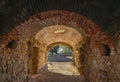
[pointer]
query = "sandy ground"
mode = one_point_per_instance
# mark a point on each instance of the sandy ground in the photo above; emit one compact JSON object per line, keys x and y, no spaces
{"x":66,"y":73}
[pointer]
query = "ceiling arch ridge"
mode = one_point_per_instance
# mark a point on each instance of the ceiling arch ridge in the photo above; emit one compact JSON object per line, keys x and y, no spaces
{"x":38,"y":21}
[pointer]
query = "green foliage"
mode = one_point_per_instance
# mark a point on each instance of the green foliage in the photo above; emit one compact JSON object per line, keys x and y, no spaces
{"x":57,"y":50}
{"x":54,"y":50}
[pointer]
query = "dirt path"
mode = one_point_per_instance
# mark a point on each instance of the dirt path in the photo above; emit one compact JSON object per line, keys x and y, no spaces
{"x":51,"y":75}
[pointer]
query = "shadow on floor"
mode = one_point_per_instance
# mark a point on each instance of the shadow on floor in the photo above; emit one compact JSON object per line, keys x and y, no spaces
{"x":47,"y":76}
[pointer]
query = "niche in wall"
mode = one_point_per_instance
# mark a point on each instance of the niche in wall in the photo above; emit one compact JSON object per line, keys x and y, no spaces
{"x":105,"y":50}
{"x":11,"y":44}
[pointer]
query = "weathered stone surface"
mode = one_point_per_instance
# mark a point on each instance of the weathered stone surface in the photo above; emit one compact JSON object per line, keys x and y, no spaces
{"x":13,"y":68}
{"x":17,"y":63}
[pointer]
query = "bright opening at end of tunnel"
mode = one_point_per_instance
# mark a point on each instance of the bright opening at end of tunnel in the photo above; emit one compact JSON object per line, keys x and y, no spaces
{"x":60,"y":60}
{"x":60,"y":53}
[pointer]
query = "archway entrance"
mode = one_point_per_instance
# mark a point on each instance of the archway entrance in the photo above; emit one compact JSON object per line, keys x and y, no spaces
{"x":60,"y":53}
{"x":57,"y":53}
{"x":61,"y":26}
{"x":66,"y":39}
{"x":60,"y":60}
{"x":58,"y":36}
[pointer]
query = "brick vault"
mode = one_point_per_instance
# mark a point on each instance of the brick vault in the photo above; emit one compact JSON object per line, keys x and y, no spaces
{"x":23,"y":48}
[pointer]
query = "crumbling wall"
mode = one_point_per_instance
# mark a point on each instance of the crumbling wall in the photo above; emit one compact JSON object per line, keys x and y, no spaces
{"x":99,"y":65}
{"x":13,"y":63}
{"x":117,"y":46}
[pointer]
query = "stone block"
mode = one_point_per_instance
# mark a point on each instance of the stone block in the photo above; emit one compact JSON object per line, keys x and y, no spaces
{"x":118,"y":70}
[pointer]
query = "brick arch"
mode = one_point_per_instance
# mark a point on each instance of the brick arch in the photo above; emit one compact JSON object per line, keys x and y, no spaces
{"x":51,"y":35}
{"x":40,"y":20}
{"x":58,"y":43}
{"x":85,"y":26}
{"x":80,"y":23}
{"x":59,"y":33}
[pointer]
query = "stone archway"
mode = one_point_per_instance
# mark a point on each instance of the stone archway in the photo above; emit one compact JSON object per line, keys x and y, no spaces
{"x":53,"y":35}
{"x":51,"y":46}
{"x":90,"y":49}
{"x":85,"y":26}
{"x":59,"y":60}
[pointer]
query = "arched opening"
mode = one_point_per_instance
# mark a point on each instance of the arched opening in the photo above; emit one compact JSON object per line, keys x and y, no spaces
{"x":46,"y":41}
{"x":62,"y":26}
{"x":60,"y":53}
{"x":105,"y":50}
{"x":60,"y":59}
{"x":11,"y":44}
{"x":51,"y":37}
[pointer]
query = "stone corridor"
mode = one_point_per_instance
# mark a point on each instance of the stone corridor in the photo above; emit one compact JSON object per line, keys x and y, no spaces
{"x":30,"y":28}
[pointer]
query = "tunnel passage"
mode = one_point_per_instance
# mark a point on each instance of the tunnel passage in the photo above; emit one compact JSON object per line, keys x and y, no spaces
{"x":86,"y":38}
{"x":50,"y":36}
{"x":60,"y":60}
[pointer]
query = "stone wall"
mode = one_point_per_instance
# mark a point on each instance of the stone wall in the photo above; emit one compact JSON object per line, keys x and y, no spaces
{"x":97,"y":66}
{"x":13,"y":64}
{"x":37,"y":56}
{"x":117,"y":70}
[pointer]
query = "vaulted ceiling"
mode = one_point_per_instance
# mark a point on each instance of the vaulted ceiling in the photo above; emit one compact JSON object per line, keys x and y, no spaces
{"x":103,"y":12}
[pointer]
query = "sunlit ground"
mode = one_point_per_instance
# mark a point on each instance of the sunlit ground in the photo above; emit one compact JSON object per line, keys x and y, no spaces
{"x":60,"y":60}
